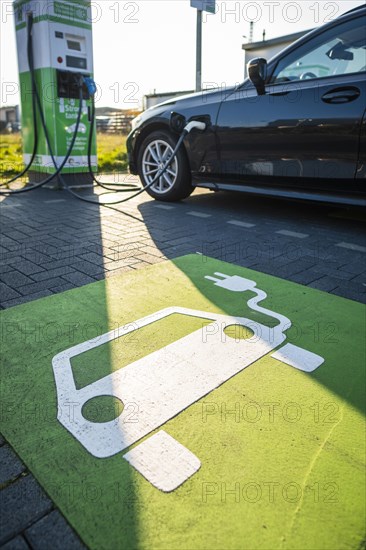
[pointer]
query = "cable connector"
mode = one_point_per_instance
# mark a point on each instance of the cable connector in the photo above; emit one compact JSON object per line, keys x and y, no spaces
{"x":233,"y":283}
{"x":90,"y":84}
{"x":194,"y":124}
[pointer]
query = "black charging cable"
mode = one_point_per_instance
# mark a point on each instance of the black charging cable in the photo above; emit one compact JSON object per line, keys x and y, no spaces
{"x":30,"y":58}
{"x":58,"y":169}
{"x":66,"y":158}
{"x":109,"y":186}
{"x":36,"y":102}
{"x":141,"y":190}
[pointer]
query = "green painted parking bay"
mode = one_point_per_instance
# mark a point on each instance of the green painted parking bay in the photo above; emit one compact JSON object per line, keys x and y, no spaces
{"x":192,"y":404}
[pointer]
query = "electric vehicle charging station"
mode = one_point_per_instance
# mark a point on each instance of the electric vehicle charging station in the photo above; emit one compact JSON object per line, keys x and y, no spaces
{"x":62,"y":52}
{"x":55,"y":58}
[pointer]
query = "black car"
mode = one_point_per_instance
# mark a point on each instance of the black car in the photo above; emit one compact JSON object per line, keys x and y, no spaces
{"x":295,"y":128}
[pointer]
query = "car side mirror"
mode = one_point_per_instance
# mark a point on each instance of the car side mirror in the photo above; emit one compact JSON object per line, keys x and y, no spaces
{"x":257,"y":71}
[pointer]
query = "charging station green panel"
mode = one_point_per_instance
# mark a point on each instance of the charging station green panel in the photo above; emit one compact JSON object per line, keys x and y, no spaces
{"x":62,"y":50}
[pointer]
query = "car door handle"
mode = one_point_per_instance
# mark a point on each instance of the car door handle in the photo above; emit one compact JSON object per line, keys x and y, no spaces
{"x":341,"y":95}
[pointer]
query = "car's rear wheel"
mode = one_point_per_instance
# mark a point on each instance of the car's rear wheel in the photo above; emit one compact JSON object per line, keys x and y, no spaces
{"x":156,"y":149}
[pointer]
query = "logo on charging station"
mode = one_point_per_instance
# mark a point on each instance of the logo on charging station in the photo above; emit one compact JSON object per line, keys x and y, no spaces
{"x":71,"y":129}
{"x":168,"y":381}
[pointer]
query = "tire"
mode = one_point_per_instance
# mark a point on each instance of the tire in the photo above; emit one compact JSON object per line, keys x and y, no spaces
{"x":176,"y":183}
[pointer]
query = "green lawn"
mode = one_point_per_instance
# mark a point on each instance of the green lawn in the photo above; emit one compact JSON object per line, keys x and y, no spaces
{"x":10,"y":155}
{"x":112,"y":156}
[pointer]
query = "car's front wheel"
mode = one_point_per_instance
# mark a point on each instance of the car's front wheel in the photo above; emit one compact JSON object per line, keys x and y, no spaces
{"x":156,"y":149}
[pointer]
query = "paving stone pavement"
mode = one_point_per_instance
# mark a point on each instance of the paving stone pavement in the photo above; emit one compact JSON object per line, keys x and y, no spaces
{"x":52,"y":242}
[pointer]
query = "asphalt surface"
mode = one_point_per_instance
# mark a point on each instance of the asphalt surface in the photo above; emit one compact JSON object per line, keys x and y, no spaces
{"x":52,"y":242}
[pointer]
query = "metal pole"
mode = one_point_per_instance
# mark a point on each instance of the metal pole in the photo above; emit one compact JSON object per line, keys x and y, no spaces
{"x":199,"y":52}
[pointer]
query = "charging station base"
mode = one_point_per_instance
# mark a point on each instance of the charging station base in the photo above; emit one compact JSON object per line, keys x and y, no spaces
{"x":76,"y":180}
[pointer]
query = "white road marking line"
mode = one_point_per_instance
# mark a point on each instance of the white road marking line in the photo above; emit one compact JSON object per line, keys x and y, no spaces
{"x":292,"y":234}
{"x":9,"y":205}
{"x":198,"y":214}
{"x":351,"y":246}
{"x":241,"y":224}
{"x":54,"y":201}
{"x":164,"y":206}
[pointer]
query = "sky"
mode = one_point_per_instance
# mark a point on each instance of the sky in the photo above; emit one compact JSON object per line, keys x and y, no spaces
{"x":143,"y":46}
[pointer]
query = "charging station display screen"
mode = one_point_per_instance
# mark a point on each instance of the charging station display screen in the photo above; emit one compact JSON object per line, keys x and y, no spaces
{"x":75,"y":62}
{"x":73,"y":45}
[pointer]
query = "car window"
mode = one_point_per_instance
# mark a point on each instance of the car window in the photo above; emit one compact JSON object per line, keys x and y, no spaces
{"x":340,"y":50}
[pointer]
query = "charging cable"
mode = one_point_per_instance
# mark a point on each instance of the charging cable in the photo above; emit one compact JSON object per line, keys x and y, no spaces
{"x":36,"y":102}
{"x":30,"y":58}
{"x":66,"y":158}
{"x":108,"y":186}
{"x":188,"y":128}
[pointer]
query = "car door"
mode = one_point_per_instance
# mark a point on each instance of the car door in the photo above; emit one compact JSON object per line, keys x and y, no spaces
{"x":307,"y":125}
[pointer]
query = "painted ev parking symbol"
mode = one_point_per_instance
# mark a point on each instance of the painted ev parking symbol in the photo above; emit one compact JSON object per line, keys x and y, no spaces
{"x":168,"y":381}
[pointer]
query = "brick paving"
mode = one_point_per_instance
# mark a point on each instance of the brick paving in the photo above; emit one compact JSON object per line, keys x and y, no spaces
{"x":51,"y":243}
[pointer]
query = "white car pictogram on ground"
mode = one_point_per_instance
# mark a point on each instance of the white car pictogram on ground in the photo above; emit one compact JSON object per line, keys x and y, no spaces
{"x":168,"y":381}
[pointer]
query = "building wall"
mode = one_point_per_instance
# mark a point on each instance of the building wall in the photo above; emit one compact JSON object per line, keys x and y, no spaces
{"x":269,"y":48}
{"x":9,"y":114}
